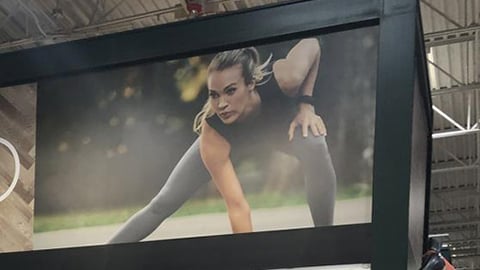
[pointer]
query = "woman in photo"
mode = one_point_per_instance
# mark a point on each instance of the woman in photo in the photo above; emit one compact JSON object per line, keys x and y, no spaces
{"x":250,"y":104}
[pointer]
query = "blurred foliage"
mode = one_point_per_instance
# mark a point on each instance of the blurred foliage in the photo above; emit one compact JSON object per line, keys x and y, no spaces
{"x":191,"y":78}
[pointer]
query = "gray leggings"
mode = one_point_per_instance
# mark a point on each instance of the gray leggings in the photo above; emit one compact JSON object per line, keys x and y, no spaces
{"x":189,"y":174}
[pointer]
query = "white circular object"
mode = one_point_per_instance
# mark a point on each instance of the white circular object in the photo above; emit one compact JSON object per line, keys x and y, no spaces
{"x":16,"y":175}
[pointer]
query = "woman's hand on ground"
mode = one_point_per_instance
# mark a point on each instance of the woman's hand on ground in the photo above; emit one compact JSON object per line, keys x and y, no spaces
{"x":307,"y":119}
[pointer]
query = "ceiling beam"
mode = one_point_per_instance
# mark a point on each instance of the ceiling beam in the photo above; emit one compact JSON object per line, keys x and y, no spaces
{"x":456,"y":89}
{"x":450,"y":36}
{"x":455,"y":223}
{"x":460,"y":230}
{"x":471,"y":187}
{"x":456,"y":210}
{"x":89,"y":30}
{"x":454,"y":169}
{"x":461,"y":241}
{"x":448,"y":162}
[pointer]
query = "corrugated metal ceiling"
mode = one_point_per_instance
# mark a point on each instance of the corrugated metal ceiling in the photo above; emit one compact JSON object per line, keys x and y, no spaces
{"x":451,"y":36}
{"x":29,"y":23}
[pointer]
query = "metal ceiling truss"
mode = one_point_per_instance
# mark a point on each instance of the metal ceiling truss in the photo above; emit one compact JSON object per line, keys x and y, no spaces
{"x":452,"y":36}
{"x":97,"y":23}
{"x":99,"y":20}
{"x":457,"y":128}
{"x":455,"y":186}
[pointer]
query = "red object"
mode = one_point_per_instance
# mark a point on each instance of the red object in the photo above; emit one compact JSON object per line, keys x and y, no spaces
{"x":195,"y":6}
{"x":448,"y":266}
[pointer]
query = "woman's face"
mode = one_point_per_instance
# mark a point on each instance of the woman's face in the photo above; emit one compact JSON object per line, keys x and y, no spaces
{"x":230,"y":96}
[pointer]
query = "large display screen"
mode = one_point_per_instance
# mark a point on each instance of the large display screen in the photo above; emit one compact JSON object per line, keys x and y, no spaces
{"x":272,"y":137}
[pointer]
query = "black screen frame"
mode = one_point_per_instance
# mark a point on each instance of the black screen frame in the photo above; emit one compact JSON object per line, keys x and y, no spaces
{"x":358,"y":243}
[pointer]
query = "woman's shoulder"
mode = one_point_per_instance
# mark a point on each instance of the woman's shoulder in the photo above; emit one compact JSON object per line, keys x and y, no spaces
{"x":214,"y":123}
{"x":211,"y":135}
{"x":212,"y":143}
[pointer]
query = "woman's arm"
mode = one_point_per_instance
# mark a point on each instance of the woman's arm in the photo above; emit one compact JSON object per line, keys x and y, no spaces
{"x":215,"y":153}
{"x":296,"y":76}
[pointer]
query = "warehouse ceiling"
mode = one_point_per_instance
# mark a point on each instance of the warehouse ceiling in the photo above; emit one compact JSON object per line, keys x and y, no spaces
{"x":30,"y":23}
{"x":452,"y":39}
{"x":452,"y":32}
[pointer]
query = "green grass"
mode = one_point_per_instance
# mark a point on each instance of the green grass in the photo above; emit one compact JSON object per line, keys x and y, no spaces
{"x":105,"y":217}
{"x":354,"y":191}
{"x":46,"y":223}
{"x":193,"y":207}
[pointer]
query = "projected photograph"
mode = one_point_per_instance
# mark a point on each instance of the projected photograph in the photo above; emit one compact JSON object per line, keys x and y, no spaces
{"x":271,"y":137}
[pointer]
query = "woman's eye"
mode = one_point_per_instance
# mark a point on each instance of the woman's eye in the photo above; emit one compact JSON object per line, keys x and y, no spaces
{"x":213,"y":95}
{"x":230,"y":91}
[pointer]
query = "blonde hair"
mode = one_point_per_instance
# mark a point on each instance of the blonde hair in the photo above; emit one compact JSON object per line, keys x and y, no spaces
{"x":252,"y":71}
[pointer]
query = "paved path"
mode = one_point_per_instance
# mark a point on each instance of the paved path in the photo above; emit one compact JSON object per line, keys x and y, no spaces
{"x":346,"y":212}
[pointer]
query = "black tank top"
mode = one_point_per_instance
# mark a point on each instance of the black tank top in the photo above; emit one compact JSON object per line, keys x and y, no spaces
{"x":269,"y":128}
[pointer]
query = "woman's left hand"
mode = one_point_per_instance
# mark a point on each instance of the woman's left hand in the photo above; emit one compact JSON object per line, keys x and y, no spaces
{"x":307,"y":118}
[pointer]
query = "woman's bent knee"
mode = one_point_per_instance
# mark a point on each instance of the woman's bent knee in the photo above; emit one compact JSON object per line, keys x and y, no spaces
{"x":310,"y":144}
